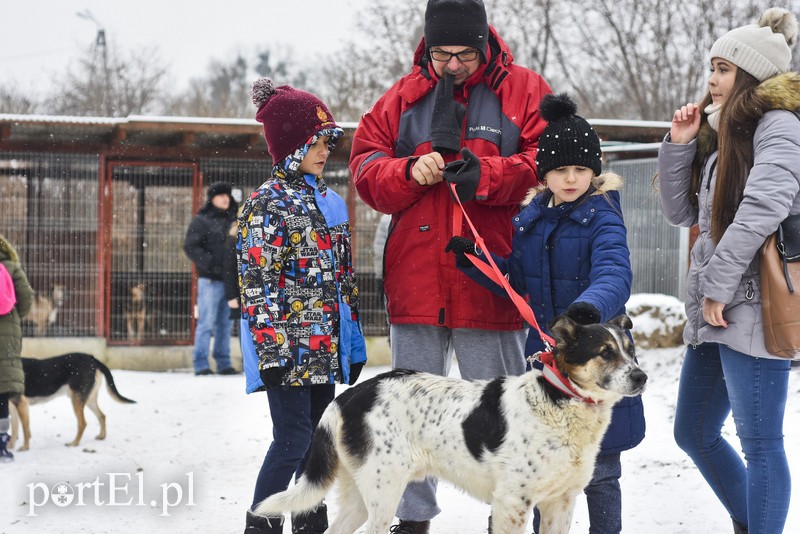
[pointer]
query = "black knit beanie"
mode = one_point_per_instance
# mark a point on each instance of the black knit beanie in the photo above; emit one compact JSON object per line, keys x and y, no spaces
{"x":457,"y":23}
{"x":219,"y":188}
{"x":567,"y":139}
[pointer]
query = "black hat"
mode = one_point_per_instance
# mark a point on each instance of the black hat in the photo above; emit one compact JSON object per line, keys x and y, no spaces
{"x":456,"y":23}
{"x":567,"y":139}
{"x":219,"y":188}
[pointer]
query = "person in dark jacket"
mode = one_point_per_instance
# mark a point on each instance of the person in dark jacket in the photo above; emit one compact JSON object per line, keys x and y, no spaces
{"x":299,"y":330}
{"x":205,"y":244}
{"x":570,"y":255}
{"x":466,"y":114}
{"x":12,"y":377}
{"x":231,"y":273}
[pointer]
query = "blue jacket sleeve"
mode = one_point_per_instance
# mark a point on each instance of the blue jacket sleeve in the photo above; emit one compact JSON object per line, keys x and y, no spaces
{"x":506,"y":268}
{"x":610,"y":277}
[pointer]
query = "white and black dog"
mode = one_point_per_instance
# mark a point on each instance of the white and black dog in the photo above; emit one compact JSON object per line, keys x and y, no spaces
{"x":514,"y":441}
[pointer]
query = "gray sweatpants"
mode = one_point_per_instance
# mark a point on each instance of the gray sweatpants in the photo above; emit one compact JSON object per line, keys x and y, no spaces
{"x":481,"y":354}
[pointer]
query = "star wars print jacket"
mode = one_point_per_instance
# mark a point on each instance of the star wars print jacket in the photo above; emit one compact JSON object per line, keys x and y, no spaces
{"x":299,"y":296}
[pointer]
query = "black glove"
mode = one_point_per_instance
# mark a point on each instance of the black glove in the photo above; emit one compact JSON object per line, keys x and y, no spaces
{"x":355,"y":372}
{"x":461,"y":246}
{"x":465,"y":173}
{"x":583,"y":313}
{"x":447,"y":117}
{"x":273,"y":376}
{"x":235,"y":314}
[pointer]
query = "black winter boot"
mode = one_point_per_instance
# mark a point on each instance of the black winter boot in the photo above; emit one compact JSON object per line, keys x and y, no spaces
{"x":258,"y":524}
{"x":738,"y":528}
{"x":5,"y":454}
{"x":411,"y":527}
{"x":313,"y":522}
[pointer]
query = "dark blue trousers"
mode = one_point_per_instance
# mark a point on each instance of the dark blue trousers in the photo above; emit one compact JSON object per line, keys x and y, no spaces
{"x":295,"y":413}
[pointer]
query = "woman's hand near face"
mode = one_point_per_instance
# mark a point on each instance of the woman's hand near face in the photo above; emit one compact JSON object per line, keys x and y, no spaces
{"x":685,"y":124}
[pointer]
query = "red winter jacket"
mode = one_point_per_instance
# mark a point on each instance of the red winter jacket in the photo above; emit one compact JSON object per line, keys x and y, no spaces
{"x":502,"y":127}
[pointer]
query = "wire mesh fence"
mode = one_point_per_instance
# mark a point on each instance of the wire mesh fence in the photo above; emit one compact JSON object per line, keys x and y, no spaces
{"x":101,"y":242}
{"x":49,"y":212}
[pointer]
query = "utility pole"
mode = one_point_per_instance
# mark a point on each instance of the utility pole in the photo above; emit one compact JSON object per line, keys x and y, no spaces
{"x":100,"y":42}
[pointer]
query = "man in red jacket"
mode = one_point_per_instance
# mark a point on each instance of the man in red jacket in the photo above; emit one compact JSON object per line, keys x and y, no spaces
{"x":464,"y":115}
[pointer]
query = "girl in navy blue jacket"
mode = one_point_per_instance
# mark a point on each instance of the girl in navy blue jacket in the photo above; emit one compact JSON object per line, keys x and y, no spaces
{"x":570,"y":255}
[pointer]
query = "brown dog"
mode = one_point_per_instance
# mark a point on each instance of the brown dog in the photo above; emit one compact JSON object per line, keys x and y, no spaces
{"x":136,"y":311}
{"x":77,"y":375}
{"x":44,"y":309}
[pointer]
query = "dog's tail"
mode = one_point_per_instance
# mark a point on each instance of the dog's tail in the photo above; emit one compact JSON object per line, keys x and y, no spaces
{"x":319,"y":474}
{"x":112,"y":388}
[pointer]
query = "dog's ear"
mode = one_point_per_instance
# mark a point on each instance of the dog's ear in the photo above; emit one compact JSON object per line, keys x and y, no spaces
{"x":622,"y":321}
{"x":563,"y":328}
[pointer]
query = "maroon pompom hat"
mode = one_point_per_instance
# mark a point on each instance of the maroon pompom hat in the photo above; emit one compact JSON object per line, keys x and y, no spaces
{"x":290,"y":117}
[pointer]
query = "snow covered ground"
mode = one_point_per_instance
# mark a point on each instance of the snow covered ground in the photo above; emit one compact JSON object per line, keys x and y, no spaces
{"x":184,"y":459}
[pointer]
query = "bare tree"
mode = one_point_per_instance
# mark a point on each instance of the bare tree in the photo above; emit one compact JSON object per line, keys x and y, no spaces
{"x":280,"y":63}
{"x":527,"y":26}
{"x":353,"y":79}
{"x":641,"y":58}
{"x":13,"y":100}
{"x":347,"y":86}
{"x":223,"y":92}
{"x":109,"y":82}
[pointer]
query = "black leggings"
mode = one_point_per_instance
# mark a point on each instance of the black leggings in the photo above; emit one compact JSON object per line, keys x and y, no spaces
{"x":3,"y":405}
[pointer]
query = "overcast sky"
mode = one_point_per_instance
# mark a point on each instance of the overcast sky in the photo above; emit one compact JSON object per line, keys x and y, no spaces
{"x":39,"y":37}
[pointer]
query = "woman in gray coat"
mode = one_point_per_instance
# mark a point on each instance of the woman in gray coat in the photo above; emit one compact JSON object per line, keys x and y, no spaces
{"x":12,"y":379}
{"x":732,"y":165}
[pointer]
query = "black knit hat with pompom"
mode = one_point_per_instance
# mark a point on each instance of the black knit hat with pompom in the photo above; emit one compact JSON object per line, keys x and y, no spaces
{"x":290,"y":117}
{"x":568,"y":139}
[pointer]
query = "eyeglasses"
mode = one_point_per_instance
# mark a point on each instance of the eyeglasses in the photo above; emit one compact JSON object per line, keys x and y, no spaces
{"x":465,"y":56}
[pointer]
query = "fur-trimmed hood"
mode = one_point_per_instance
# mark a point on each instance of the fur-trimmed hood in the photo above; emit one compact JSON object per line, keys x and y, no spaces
{"x":781,"y":91}
{"x":7,"y":250}
{"x":603,"y":183}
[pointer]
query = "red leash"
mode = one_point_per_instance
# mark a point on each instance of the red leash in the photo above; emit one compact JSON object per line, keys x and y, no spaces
{"x":549,"y":370}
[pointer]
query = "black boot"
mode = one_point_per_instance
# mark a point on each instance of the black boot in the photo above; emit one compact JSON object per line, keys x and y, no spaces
{"x":313,"y":522}
{"x":738,"y":528}
{"x":5,"y":454}
{"x":259,"y":524}
{"x":410,"y":527}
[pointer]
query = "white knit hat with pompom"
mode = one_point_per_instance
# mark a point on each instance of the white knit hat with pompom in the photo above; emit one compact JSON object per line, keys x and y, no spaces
{"x":762,"y":49}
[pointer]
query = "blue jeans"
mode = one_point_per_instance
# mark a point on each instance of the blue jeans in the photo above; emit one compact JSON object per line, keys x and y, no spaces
{"x":214,"y":319}
{"x":295,"y":413}
{"x":715,"y":382}
{"x":603,"y":497}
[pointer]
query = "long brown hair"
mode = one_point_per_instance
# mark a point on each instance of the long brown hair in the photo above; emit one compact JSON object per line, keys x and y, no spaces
{"x":707,"y":144}
{"x":738,"y":120}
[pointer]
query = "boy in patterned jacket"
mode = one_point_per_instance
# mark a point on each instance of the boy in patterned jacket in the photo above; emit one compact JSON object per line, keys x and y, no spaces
{"x":300,"y":331}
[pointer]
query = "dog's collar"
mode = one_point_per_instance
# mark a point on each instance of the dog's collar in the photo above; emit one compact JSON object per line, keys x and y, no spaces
{"x":546,"y":363}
